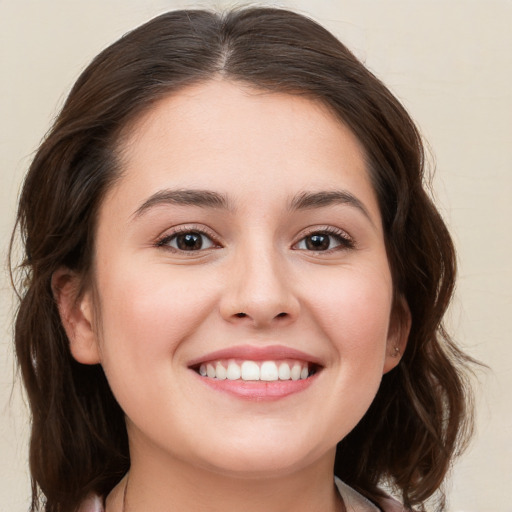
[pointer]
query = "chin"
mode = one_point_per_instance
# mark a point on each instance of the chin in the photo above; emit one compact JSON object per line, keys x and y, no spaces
{"x":255,"y":459}
{"x":259,"y":467}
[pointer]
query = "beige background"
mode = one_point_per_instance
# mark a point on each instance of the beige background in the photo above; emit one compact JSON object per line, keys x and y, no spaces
{"x":450,"y":62}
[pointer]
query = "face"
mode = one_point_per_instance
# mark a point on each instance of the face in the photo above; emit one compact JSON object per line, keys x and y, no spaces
{"x":243,"y":294}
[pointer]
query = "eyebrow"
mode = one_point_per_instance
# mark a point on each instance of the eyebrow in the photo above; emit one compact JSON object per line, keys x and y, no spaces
{"x":321,"y":199}
{"x":184,"y":197}
{"x":211,"y":199}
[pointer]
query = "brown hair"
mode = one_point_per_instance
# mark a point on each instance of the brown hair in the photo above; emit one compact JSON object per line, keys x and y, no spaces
{"x":421,"y":415}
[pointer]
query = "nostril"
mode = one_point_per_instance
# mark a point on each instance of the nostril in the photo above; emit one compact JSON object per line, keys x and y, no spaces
{"x":281,"y":315}
{"x":240,"y":315}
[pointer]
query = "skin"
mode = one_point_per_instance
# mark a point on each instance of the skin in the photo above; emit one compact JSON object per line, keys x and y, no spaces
{"x":155,"y":308}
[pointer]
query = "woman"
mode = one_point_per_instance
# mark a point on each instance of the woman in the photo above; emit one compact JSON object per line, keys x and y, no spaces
{"x":235,"y":281}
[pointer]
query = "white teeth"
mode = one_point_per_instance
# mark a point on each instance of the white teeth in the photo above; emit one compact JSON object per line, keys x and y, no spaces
{"x":296,"y":371}
{"x":220,"y":372}
{"x":210,"y":371}
{"x":269,"y":371}
{"x":250,"y":371}
{"x":284,"y":371}
{"x":233,"y":372}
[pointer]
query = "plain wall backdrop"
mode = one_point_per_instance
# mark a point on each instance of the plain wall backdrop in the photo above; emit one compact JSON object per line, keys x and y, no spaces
{"x":449,"y":62}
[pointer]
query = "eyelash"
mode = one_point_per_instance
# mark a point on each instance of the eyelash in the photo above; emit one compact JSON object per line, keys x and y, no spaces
{"x":183,"y":230}
{"x":345,"y":241}
{"x":342,"y":238}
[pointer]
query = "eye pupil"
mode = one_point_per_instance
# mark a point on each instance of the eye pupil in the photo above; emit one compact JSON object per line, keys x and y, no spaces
{"x":317,"y":242}
{"x":189,"y":241}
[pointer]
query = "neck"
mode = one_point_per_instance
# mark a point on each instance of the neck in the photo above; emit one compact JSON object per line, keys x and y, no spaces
{"x":169,"y":485}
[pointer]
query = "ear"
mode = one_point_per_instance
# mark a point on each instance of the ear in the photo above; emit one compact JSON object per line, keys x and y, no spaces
{"x":398,"y":333}
{"x":76,"y":313}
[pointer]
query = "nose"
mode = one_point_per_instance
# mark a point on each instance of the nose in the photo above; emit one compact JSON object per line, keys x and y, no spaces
{"x":258,"y":290}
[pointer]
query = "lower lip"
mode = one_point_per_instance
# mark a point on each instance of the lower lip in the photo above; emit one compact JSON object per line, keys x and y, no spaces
{"x":258,"y":390}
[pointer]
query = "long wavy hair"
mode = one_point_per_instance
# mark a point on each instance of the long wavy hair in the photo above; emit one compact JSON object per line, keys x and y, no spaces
{"x":421,"y":416}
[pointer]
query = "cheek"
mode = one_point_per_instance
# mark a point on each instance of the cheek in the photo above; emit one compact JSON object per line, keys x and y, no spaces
{"x":146,"y":319}
{"x":354,"y":308}
{"x":146,"y":315}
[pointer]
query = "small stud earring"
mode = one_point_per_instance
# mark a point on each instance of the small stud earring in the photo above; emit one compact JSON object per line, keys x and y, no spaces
{"x":396,"y":352}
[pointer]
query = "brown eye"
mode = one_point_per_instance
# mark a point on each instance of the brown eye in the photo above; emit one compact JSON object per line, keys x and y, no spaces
{"x":318,"y":242}
{"x":323,"y":241}
{"x":188,"y":241}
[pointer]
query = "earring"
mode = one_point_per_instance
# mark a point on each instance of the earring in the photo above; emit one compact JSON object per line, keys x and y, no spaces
{"x":396,"y":352}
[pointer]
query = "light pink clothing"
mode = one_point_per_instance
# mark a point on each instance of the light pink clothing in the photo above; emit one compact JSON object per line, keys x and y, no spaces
{"x":354,"y":502}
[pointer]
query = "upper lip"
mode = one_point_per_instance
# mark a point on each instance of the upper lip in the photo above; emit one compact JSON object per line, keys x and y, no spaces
{"x":256,"y":353}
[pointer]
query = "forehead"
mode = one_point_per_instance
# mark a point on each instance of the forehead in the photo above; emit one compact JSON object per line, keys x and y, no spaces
{"x":222,"y":135}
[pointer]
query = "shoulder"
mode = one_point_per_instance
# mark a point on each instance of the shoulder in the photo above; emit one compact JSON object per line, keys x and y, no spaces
{"x":93,"y":503}
{"x":356,"y":502}
{"x":392,"y":505}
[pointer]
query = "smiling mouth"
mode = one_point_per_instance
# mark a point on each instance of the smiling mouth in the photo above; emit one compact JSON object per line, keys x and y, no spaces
{"x":249,"y":370}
